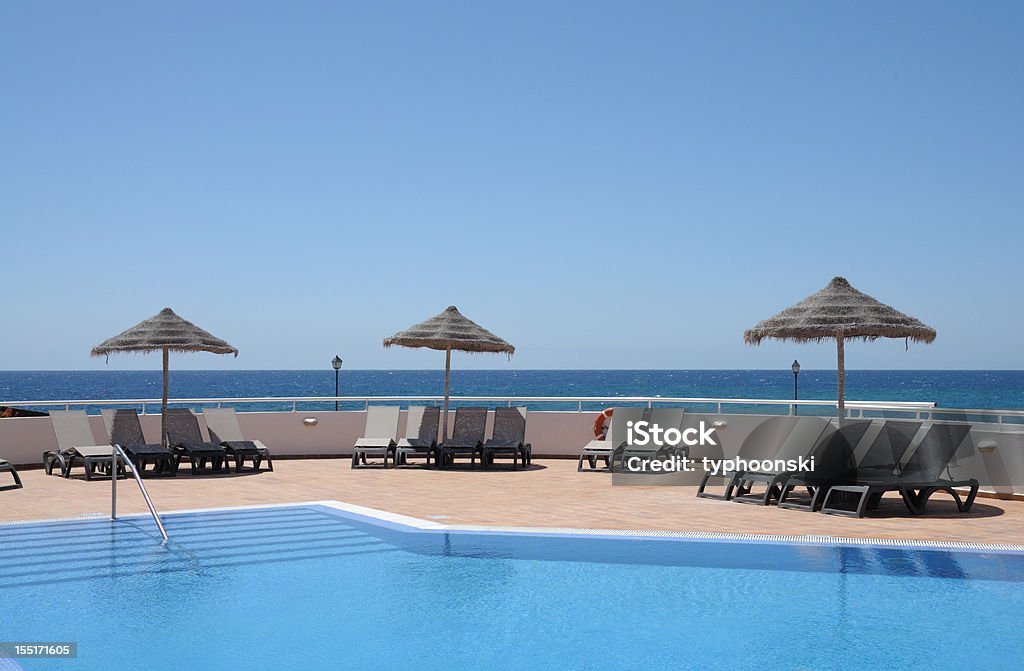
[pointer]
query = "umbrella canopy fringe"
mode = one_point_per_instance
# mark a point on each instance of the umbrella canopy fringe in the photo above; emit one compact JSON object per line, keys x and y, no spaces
{"x":754,"y":336}
{"x":839,"y":309}
{"x":165,"y":330}
{"x":450,"y":330}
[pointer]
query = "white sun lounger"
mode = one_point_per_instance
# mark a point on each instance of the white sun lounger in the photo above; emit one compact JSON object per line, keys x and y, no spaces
{"x":76,"y":444}
{"x":378,"y":434}
{"x":222,"y":423}
{"x":604,"y":449}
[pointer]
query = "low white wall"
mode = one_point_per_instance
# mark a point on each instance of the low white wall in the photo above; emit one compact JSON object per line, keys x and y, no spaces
{"x":24,"y":439}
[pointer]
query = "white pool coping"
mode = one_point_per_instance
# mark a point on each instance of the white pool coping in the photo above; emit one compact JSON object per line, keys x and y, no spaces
{"x":415,"y":523}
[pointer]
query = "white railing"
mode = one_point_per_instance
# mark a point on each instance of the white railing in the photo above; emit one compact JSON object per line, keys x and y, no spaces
{"x":921,"y":410}
{"x":509,"y":400}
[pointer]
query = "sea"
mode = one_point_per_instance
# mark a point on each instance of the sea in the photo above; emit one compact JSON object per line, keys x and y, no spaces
{"x":993,"y":389}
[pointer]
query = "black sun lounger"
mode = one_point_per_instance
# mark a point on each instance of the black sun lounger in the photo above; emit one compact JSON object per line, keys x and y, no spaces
{"x":467,"y":436}
{"x":878,"y":447}
{"x":124,"y":429}
{"x":916,"y":480}
{"x":764,"y":442}
{"x":508,"y":438}
{"x":420,"y":435}
{"x":807,"y":436}
{"x":6,"y":467}
{"x":186,"y":439}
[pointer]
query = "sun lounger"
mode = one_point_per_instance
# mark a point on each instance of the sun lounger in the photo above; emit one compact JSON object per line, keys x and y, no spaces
{"x":76,"y":445}
{"x":604,"y":449}
{"x":881,"y":447}
{"x":664,"y":418}
{"x":186,"y":440}
{"x":124,"y":429}
{"x":807,"y":434}
{"x":764,"y":442}
{"x":420,"y":435}
{"x":378,"y":435}
{"x":467,"y":436}
{"x":222,"y":423}
{"x":833,"y":455}
{"x":508,"y":437}
{"x":916,"y":480}
{"x":6,"y":467}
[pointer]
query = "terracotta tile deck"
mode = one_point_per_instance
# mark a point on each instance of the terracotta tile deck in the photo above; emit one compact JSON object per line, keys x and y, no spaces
{"x":553,"y":494}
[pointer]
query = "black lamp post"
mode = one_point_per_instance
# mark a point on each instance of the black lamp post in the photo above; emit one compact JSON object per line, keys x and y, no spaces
{"x":796,"y":372}
{"x":336,"y":362}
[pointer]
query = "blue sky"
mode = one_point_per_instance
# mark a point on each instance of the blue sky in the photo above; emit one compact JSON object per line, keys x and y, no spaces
{"x":606,"y":185}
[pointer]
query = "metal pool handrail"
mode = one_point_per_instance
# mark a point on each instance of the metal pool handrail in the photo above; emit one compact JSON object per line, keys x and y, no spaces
{"x":120,"y":453}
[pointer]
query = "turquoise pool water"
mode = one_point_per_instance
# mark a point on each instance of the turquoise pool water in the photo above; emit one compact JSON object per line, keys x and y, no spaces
{"x":309,"y":587}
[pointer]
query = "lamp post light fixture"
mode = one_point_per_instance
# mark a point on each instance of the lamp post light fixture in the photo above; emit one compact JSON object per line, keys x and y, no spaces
{"x":796,"y":372}
{"x":336,"y":362}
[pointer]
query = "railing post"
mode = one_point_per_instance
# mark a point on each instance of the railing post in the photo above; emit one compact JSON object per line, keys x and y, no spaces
{"x":579,"y":406}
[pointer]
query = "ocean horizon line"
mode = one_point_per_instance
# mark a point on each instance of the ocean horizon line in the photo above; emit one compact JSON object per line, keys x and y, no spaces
{"x":507,"y":370}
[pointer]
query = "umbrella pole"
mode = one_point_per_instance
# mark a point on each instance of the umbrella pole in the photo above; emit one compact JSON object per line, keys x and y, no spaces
{"x":841,"y":356}
{"x":447,"y":381}
{"x":163,"y":401}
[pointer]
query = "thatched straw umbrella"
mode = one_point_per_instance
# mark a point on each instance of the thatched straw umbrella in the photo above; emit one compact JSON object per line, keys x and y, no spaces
{"x":449,"y":331}
{"x":166,"y":332}
{"x":839,"y":311}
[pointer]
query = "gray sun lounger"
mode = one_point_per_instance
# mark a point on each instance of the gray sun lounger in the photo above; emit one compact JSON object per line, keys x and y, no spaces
{"x":6,"y":467}
{"x":420,"y":435}
{"x":76,"y":445}
{"x":378,"y":439}
{"x":124,"y":429}
{"x":605,"y":449}
{"x":833,"y":453}
{"x":508,"y":437}
{"x":186,"y":440}
{"x":222,"y":423}
{"x":467,"y":436}
{"x":916,"y":479}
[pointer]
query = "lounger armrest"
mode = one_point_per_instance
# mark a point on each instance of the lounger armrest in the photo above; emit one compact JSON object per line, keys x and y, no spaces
{"x":375,"y":442}
{"x":94,"y":450}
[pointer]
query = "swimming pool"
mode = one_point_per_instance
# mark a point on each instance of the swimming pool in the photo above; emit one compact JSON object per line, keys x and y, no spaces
{"x":314,"y":587}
